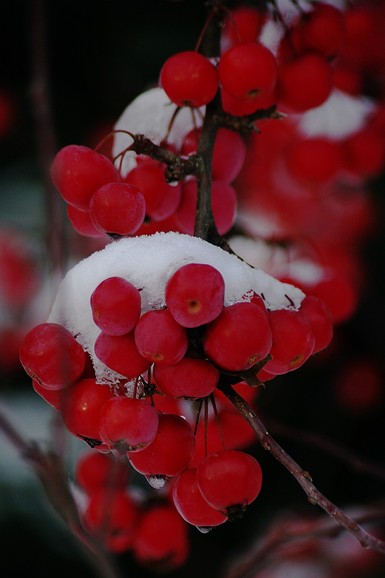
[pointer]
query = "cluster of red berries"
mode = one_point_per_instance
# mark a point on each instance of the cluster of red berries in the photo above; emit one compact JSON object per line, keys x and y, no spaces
{"x":100,"y":201}
{"x":183,"y":351}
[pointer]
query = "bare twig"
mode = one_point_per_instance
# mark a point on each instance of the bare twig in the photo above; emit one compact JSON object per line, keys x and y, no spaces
{"x":50,"y":470}
{"x":303,"y":477}
{"x":287,"y":530}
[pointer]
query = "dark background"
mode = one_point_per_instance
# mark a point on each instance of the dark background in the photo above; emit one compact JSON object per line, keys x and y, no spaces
{"x":99,"y":56}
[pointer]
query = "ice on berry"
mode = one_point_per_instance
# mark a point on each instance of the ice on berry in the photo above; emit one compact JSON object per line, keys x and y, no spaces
{"x":148,"y":262}
{"x":150,"y":114}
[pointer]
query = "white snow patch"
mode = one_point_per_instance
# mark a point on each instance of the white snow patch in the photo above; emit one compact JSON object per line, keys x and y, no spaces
{"x":339,"y":117}
{"x":150,"y":114}
{"x":148,"y":262}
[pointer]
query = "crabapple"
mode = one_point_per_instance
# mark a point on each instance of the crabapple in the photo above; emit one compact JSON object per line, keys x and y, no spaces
{"x":195,"y":294}
{"x":229,"y":480}
{"x":189,"y":79}
{"x":169,"y":453}
{"x":127,"y":423}
{"x":81,"y":407}
{"x":159,"y":338}
{"x":191,"y":504}
{"x":190,"y":378}
{"x":51,"y":355}
{"x":120,"y":353}
{"x":78,"y":171}
{"x":117,"y":209}
{"x":239,"y":337}
{"x":248,"y":70}
{"x":116,"y":306}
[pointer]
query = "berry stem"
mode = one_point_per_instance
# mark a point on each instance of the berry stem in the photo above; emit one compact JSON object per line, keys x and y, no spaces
{"x":303,"y":477}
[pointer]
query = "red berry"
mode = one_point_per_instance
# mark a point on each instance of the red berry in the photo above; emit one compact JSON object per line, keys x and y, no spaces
{"x":189,"y":79}
{"x":304,"y":82}
{"x":195,"y":294}
{"x":229,"y":480}
{"x":117,"y":209}
{"x":159,"y":338}
{"x":116,"y":306}
{"x":243,"y":24}
{"x":293,"y":341}
{"x":239,"y":337}
{"x":191,"y":504}
{"x":78,"y":171}
{"x":248,"y":70}
{"x":51,"y":396}
{"x":128,"y":424}
{"x":82,"y":222}
{"x":50,"y":354}
{"x":120,"y":353}
{"x":169,"y":453}
{"x":112,"y":516}
{"x":161,"y":538}
{"x":321,"y":30}
{"x":314,"y":160}
{"x":320,"y":320}
{"x":190,"y":378}
{"x":81,"y":407}
{"x":95,"y":471}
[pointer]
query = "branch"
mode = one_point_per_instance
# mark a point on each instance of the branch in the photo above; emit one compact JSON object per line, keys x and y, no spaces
{"x":50,"y":470}
{"x":285,"y":531}
{"x":303,"y":477}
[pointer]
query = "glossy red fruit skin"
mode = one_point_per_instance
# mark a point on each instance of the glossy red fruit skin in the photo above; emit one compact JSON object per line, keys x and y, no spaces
{"x":248,"y":70}
{"x":189,"y":79}
{"x":112,"y":516}
{"x":51,"y":396}
{"x":318,"y":316}
{"x":161,"y":538}
{"x":82,"y":223}
{"x":195,"y":294}
{"x":119,"y":353}
{"x":128,"y":423}
{"x":189,"y":378}
{"x":50,"y":354}
{"x":159,"y":338}
{"x":78,"y":171}
{"x":95,"y":471}
{"x":293,"y":341}
{"x":191,"y":504}
{"x":116,"y":306}
{"x":170,"y":452}
{"x":229,"y":480}
{"x":117,"y":209}
{"x":81,"y":407}
{"x":239,"y":337}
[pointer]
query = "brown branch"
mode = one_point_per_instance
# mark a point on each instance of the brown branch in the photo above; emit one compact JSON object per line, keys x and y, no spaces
{"x":287,"y":530}
{"x":50,"y":470}
{"x":303,"y":477}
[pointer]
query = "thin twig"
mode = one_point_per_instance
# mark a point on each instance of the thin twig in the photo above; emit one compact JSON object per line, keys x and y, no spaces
{"x":303,"y":477}
{"x":50,"y":470}
{"x":287,"y":530}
